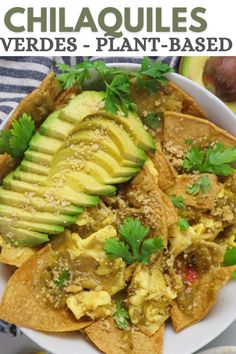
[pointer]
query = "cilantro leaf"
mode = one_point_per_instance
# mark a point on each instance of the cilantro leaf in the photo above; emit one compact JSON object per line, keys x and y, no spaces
{"x":214,"y":160}
{"x":203,"y":184}
{"x":104,"y":71}
{"x":16,"y":140}
{"x":63,"y":277}
{"x":74,"y":75}
{"x":152,"y":120}
{"x":149,"y":247}
{"x":230,"y":257}
{"x":178,"y":201}
{"x":118,"y":95}
{"x":183,"y":224}
{"x":121,"y":316}
{"x":115,"y":248}
{"x":152,"y":75}
{"x":133,"y":247}
{"x":133,"y":232}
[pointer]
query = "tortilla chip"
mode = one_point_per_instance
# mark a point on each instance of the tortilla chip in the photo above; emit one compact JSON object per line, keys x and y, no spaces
{"x":39,"y":103}
{"x":22,"y":305}
{"x":168,"y":98}
{"x":110,"y":339}
{"x":205,"y":297}
{"x":7,"y":164}
{"x":144,"y":193}
{"x":166,"y":173}
{"x":201,"y":200}
{"x":170,"y":211}
{"x":180,"y":127}
{"x":16,"y":256}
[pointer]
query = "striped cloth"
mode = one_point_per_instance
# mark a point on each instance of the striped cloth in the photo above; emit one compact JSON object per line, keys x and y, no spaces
{"x":20,"y":75}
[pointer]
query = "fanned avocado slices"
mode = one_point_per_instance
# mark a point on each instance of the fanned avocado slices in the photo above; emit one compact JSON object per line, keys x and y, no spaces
{"x":78,"y":154}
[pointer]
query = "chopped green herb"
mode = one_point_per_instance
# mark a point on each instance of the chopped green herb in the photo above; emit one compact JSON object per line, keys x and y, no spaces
{"x":63,"y":277}
{"x":178,"y":201}
{"x":16,"y":140}
{"x":230,"y":257}
{"x":214,"y":160}
{"x":74,"y":75}
{"x":121,"y":316}
{"x":183,"y":224}
{"x":188,"y":141}
{"x":202,"y":185}
{"x":118,"y":95}
{"x":153,"y":120}
{"x":152,"y":75}
{"x":132,"y":246}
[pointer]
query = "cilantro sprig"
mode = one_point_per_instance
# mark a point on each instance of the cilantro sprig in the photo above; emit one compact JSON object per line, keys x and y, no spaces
{"x":152,"y":75}
{"x":132,"y":246}
{"x":202,"y":185}
{"x":178,"y":201}
{"x":118,"y":95}
{"x":74,"y":75}
{"x":16,"y":140}
{"x":117,"y":81}
{"x":121,"y":316}
{"x":215,"y":159}
{"x":63,"y":277}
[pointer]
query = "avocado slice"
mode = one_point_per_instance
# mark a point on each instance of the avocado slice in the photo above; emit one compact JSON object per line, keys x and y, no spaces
{"x":193,"y":68}
{"x":22,"y":238}
{"x":105,"y":143}
{"x":29,"y":177}
{"x":38,"y":217}
{"x":34,"y":167}
{"x":19,"y":186}
{"x":122,"y":139}
{"x":45,"y":144}
{"x":80,"y":181}
{"x":102,"y":175}
{"x":67,"y":194}
{"x":31,"y":226}
{"x":79,"y":199}
{"x":40,"y":157}
{"x":54,"y":127}
{"x":89,"y":103}
{"x":15,"y":199}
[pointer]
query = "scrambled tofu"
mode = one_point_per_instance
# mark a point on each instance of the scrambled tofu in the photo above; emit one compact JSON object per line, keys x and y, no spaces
{"x":149,"y":299}
{"x":95,"y":304}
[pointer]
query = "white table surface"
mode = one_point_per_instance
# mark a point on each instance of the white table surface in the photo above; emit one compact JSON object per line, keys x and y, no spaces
{"x":23,"y":345}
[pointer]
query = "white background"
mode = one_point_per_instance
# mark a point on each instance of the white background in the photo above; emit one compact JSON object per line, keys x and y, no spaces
{"x":220,"y":17}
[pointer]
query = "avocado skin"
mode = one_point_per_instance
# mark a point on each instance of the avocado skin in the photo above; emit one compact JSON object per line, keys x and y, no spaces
{"x":192,"y":68}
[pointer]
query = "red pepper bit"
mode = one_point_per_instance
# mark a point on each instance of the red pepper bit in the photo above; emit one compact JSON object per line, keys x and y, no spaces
{"x":190,"y":275}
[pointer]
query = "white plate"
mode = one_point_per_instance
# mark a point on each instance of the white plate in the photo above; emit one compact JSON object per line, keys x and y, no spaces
{"x":223,"y":313}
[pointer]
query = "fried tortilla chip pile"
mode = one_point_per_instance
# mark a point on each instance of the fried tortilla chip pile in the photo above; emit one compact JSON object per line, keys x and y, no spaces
{"x":72,"y":284}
